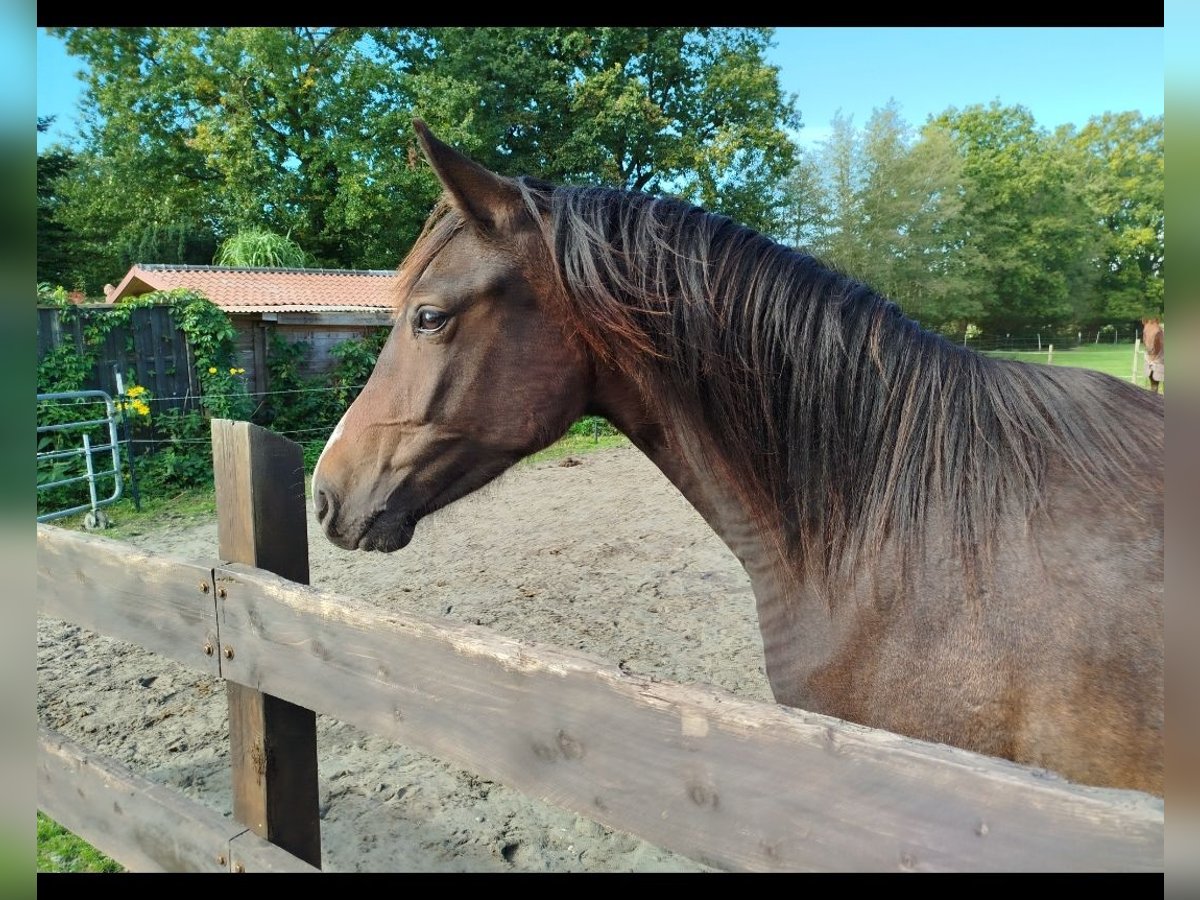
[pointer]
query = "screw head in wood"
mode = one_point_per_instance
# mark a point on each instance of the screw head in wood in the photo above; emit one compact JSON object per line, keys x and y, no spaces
{"x":221,"y":593}
{"x":208,"y":649}
{"x":204,"y":587}
{"x":221,"y":859}
{"x":238,"y":867}
{"x":228,"y":652}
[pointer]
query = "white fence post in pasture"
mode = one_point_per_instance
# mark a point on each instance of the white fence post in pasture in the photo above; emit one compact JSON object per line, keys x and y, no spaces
{"x":1050,"y":356}
{"x":1137,"y":348}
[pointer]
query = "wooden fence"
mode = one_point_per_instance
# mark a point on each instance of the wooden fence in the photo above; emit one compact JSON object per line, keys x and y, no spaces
{"x":735,"y":784}
{"x":151,"y":348}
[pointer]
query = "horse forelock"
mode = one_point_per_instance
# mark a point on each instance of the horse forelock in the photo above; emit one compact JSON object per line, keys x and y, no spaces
{"x":839,"y":420}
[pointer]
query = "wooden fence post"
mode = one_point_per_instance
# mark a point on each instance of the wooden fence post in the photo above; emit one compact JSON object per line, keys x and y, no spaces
{"x":262,"y":522}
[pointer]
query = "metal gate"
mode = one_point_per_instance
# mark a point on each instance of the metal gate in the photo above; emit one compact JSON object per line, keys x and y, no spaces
{"x":109,"y":453}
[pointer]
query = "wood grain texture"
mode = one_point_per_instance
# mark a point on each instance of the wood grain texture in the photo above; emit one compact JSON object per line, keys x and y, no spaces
{"x":143,"y":826}
{"x":735,"y":784}
{"x":156,"y":601}
{"x":261,"y":521}
{"x":261,"y":516}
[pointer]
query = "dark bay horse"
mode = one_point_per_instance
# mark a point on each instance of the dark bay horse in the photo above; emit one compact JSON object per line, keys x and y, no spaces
{"x":1152,"y":339}
{"x":930,"y":533}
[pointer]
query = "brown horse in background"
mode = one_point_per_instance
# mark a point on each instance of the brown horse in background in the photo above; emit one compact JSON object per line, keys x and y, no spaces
{"x":1152,"y":340}
{"x":930,"y":533}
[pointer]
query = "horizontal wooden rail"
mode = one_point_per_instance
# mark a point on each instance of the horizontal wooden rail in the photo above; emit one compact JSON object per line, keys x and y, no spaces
{"x":729,"y":782}
{"x":145,"y":826}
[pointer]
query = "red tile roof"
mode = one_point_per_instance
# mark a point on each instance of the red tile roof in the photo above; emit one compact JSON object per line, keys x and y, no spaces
{"x":267,"y":290}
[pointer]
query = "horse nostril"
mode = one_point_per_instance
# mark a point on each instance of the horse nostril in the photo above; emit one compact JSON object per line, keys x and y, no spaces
{"x":322,"y":504}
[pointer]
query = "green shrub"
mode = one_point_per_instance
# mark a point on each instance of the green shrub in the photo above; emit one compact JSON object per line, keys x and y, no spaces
{"x":592,"y":426}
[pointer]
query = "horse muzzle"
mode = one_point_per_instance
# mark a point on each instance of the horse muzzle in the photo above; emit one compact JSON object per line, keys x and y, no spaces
{"x":386,"y":530}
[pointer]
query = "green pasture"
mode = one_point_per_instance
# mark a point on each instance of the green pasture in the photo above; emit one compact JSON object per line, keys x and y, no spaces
{"x":1113,"y":359}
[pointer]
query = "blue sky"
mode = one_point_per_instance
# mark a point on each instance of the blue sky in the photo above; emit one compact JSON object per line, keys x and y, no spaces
{"x":1062,"y":75}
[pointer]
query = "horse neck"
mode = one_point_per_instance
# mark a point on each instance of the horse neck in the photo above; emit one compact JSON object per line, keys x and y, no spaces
{"x":671,"y":438}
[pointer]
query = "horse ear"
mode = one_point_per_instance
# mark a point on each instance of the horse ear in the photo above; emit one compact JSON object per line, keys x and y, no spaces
{"x":481,"y":195}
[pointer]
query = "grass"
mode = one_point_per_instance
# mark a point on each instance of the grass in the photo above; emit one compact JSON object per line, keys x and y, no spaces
{"x":1113,"y":359}
{"x":58,"y":850}
{"x":577,"y":445}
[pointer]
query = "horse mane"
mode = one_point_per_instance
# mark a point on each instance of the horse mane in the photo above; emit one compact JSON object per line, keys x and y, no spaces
{"x":839,"y":419}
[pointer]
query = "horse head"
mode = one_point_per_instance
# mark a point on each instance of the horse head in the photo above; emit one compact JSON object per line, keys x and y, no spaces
{"x":478,"y":371}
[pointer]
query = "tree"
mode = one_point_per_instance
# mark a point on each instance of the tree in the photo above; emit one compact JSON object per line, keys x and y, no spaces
{"x":883,"y":205}
{"x":308,"y":131}
{"x":186,"y":243}
{"x":55,"y":262}
{"x":296,"y":130}
{"x":911,"y":207}
{"x":696,"y":112}
{"x":1118,"y":162}
{"x":1026,"y":231}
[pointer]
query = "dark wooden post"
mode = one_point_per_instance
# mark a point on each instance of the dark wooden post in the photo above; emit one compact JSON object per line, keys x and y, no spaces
{"x":262,"y":522}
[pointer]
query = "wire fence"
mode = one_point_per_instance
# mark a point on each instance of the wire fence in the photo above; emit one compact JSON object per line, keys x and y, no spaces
{"x":340,"y":390}
{"x":1062,"y":339}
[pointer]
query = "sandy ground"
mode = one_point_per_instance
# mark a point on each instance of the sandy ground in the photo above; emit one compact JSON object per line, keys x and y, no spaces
{"x":604,"y":556}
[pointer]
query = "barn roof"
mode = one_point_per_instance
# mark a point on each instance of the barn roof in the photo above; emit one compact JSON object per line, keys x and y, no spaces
{"x":248,"y":290}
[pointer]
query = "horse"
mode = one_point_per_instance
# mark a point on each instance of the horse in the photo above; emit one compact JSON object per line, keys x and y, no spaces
{"x":1152,"y":340}
{"x":930,"y":534}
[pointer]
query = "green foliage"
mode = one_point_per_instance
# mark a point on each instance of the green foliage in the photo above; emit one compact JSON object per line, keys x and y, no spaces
{"x":259,"y":247}
{"x":592,"y":426}
{"x":694,"y":112}
{"x":176,"y":242}
{"x":883,"y":204}
{"x":52,"y":295}
{"x":57,"y":259}
{"x":979,"y":216}
{"x":1117,"y":166}
{"x":1025,"y":232}
{"x":307,"y":131}
{"x":183,"y":457}
{"x":298,"y":130}
{"x":296,"y":405}
{"x":981,"y":219}
{"x":356,"y":361}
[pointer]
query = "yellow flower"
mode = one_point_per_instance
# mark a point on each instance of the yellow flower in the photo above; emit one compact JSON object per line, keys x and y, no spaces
{"x":141,"y":408}
{"x":212,"y":370}
{"x":232,"y":371}
{"x":136,"y":391}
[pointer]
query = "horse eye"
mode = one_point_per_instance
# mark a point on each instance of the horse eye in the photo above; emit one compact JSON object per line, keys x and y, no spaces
{"x":431,"y":320}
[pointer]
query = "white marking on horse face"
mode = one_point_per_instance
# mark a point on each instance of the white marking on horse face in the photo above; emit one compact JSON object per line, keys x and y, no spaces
{"x":337,"y":433}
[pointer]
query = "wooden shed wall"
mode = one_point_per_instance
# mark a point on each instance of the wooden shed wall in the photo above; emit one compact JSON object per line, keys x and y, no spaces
{"x":320,"y":331}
